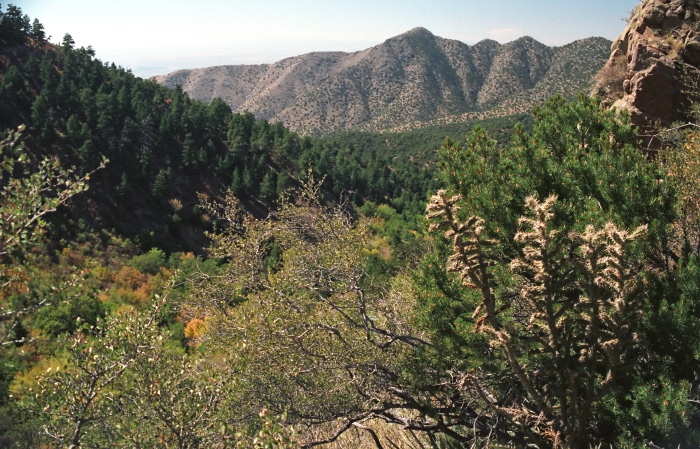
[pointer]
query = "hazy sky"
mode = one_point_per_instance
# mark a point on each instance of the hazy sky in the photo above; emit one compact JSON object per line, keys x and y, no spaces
{"x":159,"y":36}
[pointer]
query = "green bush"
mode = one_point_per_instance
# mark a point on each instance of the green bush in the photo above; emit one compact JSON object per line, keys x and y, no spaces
{"x":150,"y":262}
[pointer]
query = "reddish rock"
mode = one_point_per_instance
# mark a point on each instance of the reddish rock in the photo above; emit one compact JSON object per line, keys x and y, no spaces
{"x":651,"y":62}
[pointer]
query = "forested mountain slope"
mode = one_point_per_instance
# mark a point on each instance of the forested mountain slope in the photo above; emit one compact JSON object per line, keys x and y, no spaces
{"x":165,"y":149}
{"x":407,"y":81}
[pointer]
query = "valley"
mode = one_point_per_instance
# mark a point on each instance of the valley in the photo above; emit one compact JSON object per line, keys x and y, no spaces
{"x":420,"y":244}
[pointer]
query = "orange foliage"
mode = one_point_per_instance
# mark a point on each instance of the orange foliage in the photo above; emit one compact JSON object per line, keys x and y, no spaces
{"x":138,"y":298}
{"x":15,"y":282}
{"x":131,"y":278}
{"x":131,"y":287}
{"x":71,"y":257}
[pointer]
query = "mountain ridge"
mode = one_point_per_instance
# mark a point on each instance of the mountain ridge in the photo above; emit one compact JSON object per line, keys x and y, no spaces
{"x":409,"y":80}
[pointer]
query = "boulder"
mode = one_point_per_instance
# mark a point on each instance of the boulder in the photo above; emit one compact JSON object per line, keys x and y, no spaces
{"x":691,"y":52}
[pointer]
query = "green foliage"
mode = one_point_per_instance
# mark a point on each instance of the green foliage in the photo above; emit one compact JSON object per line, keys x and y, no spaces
{"x":162,"y":183}
{"x":150,"y":262}
{"x":164,"y":143}
{"x":268,"y":188}
{"x":272,"y":434}
{"x":566,"y":317}
{"x":121,"y":382}
{"x":68,"y":42}
{"x":14,"y":26}
{"x":313,"y":333}
{"x":578,"y":152}
{"x":554,"y":282}
{"x":66,"y":316}
{"x":83,"y":109}
{"x":27,"y":199}
{"x":445,"y":309}
{"x":663,"y":409}
{"x":29,"y":194}
{"x":37,"y":31}
{"x":123,"y":189}
{"x":656,"y":411}
{"x":92,"y":367}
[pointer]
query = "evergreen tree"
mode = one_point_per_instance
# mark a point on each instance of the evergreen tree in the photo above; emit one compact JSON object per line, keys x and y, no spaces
{"x":268,"y":188}
{"x":14,"y":94}
{"x":237,"y":186}
{"x":43,"y":117}
{"x":161,"y":183}
{"x":67,"y":43}
{"x":123,"y":188}
{"x":37,"y":31}
{"x":247,"y":180}
{"x":14,"y":25}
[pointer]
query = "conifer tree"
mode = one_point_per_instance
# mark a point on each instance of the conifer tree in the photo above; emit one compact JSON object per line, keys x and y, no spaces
{"x":268,"y":188}
{"x":38,"y":32}
{"x":14,"y":25}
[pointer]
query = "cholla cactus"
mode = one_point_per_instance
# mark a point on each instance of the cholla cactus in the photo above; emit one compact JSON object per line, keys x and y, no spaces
{"x":468,"y":258}
{"x":579,"y":292}
{"x":542,"y":263}
{"x":610,"y":285}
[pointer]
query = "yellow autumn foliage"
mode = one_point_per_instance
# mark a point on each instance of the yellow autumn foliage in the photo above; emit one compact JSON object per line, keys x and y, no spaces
{"x":195,"y":328}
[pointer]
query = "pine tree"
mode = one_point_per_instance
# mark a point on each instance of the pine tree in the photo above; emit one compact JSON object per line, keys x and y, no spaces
{"x":237,"y":186}
{"x":37,"y":31}
{"x":268,"y":188}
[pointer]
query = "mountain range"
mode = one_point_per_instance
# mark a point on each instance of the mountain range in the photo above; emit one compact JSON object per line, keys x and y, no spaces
{"x":410,"y":80}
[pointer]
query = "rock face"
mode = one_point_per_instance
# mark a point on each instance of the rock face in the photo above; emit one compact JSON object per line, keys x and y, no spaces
{"x":411,"y":79}
{"x":653,"y":67}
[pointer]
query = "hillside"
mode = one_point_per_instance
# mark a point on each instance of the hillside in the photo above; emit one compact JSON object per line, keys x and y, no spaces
{"x":166,"y":150}
{"x":409,"y":80}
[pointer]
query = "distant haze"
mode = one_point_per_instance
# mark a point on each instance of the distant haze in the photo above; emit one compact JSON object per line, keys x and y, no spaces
{"x":156,"y":37}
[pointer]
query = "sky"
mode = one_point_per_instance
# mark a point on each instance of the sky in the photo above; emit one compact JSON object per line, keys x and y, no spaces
{"x":155,"y":37}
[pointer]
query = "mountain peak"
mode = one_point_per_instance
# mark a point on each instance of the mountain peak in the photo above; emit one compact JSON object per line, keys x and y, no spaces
{"x":526,"y":41}
{"x":417,"y":32}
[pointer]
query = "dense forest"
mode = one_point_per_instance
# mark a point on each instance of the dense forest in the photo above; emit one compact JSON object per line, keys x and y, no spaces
{"x":176,"y":275}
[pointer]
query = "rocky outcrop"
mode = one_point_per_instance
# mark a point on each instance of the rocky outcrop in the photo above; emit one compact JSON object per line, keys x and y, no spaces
{"x":653,"y":67}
